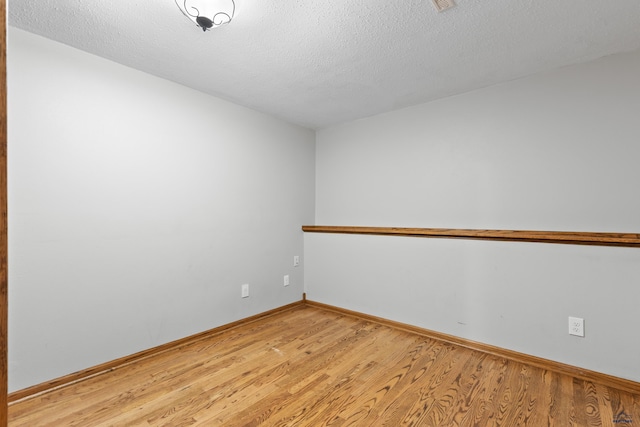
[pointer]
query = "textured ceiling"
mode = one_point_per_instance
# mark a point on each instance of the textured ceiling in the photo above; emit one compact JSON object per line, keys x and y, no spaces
{"x":318,"y":63}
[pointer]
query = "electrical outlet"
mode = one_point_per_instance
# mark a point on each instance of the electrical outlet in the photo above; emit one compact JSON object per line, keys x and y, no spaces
{"x":576,"y":326}
{"x":286,"y":280}
{"x":442,"y":5}
{"x":245,"y":291}
{"x":296,"y":260}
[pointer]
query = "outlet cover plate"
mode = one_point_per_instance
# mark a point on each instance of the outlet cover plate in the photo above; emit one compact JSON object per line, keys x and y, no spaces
{"x":576,"y":326}
{"x":442,"y":5}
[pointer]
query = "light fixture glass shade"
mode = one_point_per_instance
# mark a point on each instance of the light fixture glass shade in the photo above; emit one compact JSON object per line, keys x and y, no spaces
{"x":208,"y":14}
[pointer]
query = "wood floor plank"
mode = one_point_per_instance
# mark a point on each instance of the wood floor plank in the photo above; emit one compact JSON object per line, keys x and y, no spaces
{"x":418,"y":362}
{"x":330,"y":360}
{"x":379,"y":391}
{"x":307,"y":366}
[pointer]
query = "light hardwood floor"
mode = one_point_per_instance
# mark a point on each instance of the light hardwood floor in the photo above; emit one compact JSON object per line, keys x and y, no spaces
{"x":311,"y":367}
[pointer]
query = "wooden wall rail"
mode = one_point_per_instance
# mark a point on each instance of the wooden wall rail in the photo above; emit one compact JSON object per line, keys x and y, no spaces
{"x":565,"y":237}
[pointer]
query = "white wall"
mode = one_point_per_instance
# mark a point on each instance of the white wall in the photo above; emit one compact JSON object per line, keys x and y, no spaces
{"x":138,"y":207}
{"x":557,"y":151}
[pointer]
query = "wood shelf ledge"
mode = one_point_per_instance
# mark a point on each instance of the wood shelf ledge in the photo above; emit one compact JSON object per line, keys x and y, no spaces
{"x":562,"y":237}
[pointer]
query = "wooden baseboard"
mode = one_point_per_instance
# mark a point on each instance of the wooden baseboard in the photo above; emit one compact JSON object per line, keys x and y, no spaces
{"x":112,"y":365}
{"x":583,"y":374}
{"x":550,"y":365}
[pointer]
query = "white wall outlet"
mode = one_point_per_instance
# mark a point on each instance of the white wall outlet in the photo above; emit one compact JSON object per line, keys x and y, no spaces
{"x":576,"y":326}
{"x":296,"y":260}
{"x":286,"y":280}
{"x":442,"y":5}
{"x":245,"y":291}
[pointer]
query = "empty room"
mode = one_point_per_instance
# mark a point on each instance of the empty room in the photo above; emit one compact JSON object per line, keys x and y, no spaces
{"x":285,"y":213}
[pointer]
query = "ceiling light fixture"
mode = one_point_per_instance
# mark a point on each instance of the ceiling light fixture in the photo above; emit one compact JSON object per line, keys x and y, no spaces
{"x":207,"y":14}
